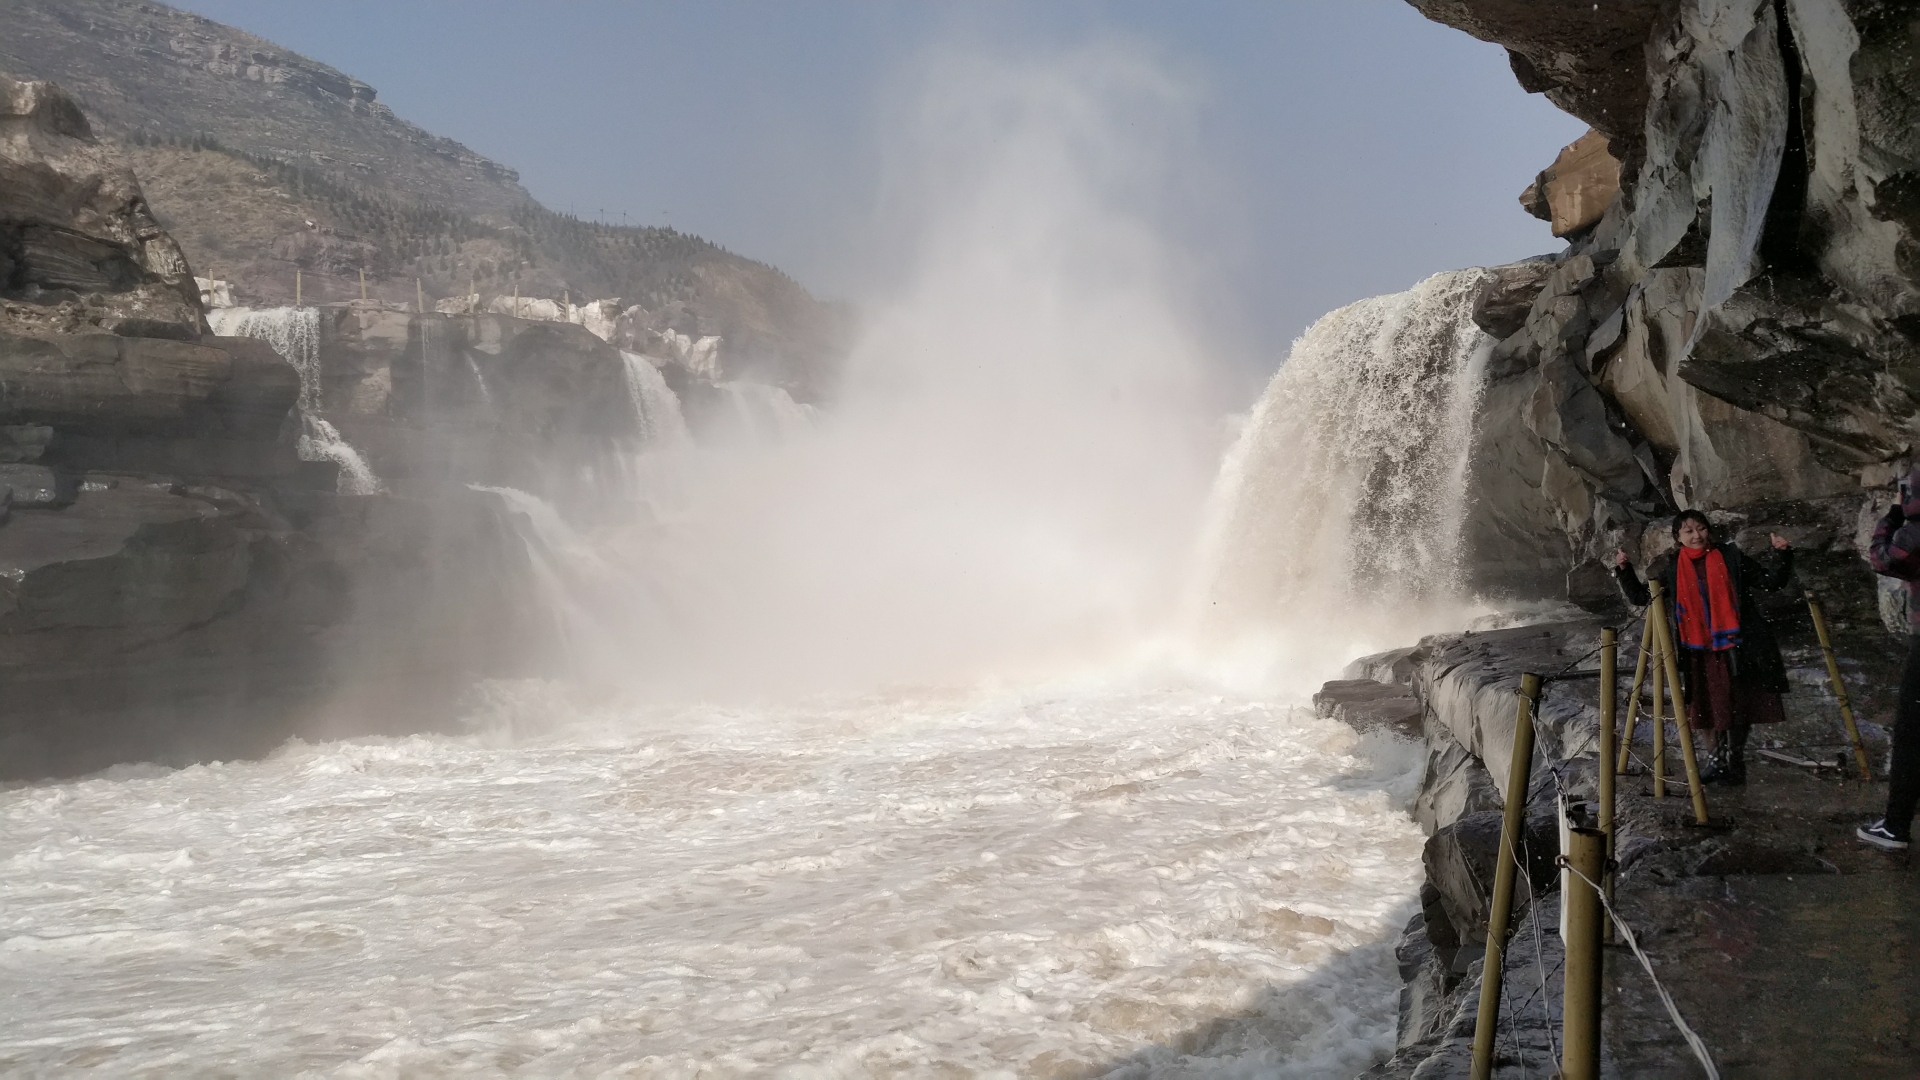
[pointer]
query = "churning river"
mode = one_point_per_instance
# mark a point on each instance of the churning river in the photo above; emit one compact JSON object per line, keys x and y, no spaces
{"x":1126,"y":870}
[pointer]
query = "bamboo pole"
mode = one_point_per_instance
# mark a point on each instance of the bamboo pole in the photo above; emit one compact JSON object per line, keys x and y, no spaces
{"x":1633,"y":698}
{"x":1665,"y":635}
{"x":296,"y":289}
{"x":1658,"y":718}
{"x":1580,"y":1014}
{"x":363,"y":283}
{"x":419,"y":297}
{"x":1519,"y":775}
{"x":1839,"y":688}
{"x":1609,"y":674}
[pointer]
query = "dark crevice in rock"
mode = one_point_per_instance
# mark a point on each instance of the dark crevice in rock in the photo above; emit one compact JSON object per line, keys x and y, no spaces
{"x":1781,"y":245}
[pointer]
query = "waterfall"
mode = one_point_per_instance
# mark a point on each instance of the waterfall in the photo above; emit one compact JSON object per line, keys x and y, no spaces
{"x":765,"y":414}
{"x":294,"y":333}
{"x":1347,"y":484}
{"x":654,"y":404}
{"x":594,"y":603}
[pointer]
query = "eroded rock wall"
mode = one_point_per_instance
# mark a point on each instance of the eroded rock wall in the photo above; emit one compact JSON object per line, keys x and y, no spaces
{"x":1738,"y":329}
{"x":176,"y":583}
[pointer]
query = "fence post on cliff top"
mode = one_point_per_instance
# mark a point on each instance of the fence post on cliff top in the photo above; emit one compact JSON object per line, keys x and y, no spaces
{"x":1580,"y":1012}
{"x":1839,"y":689}
{"x":1609,"y":676}
{"x":1500,"y":912}
{"x":1664,"y":634}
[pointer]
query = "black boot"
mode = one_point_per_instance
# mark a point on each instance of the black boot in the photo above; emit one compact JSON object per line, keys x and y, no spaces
{"x":1713,"y":767}
{"x":1737,"y":754}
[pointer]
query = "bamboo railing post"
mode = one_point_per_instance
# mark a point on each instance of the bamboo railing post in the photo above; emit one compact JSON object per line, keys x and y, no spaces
{"x":1633,"y":698}
{"x":1687,"y":758}
{"x":1519,"y":776}
{"x":1609,"y":674}
{"x":419,"y":297}
{"x":1655,"y":715}
{"x":296,"y":289}
{"x":363,"y":283}
{"x":1839,"y":688}
{"x":1580,"y":1014}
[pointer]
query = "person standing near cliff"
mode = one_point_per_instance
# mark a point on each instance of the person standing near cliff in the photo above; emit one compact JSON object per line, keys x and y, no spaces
{"x":1895,"y":552}
{"x":1731,"y":671}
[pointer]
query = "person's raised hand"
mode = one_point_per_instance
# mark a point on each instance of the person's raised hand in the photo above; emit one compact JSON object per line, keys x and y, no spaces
{"x":1779,"y":542}
{"x":1619,"y":557}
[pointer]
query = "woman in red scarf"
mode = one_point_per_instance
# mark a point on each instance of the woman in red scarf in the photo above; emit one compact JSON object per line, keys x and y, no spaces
{"x":1730,"y":667}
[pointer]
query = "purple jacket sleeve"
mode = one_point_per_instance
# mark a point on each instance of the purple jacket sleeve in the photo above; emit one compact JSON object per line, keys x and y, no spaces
{"x":1896,"y":552}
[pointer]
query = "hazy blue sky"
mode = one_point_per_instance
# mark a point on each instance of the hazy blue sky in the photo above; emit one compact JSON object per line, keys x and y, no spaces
{"x":1352,"y":147}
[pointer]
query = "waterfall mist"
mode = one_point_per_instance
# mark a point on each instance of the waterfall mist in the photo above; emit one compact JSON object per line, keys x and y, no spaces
{"x":1022,"y":440}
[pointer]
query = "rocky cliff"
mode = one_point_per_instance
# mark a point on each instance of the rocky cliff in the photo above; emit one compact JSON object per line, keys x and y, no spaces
{"x":264,"y":164}
{"x":1735,"y":327}
{"x":184,"y":571}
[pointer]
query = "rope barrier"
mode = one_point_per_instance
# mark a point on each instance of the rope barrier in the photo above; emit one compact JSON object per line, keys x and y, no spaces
{"x":1694,"y":1042}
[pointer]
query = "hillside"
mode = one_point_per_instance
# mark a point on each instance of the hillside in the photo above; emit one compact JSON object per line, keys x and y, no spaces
{"x":262,"y":163}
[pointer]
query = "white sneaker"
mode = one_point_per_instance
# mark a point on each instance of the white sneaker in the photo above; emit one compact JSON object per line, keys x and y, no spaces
{"x":1880,"y":836}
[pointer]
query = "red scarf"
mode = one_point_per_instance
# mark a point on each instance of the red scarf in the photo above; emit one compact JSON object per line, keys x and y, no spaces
{"x":1708,"y":616}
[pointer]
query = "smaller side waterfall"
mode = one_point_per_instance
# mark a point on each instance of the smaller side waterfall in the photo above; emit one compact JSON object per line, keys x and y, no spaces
{"x":294,"y":333}
{"x":765,"y":414}
{"x":1348,"y":482}
{"x":654,"y":404}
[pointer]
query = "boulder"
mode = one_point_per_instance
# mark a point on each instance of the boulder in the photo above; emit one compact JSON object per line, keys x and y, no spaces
{"x":36,"y":487}
{"x":79,"y":247}
{"x":1460,"y":861}
{"x":1365,"y":706}
{"x":1506,"y":299}
{"x":1574,"y":191}
{"x":1453,"y":784}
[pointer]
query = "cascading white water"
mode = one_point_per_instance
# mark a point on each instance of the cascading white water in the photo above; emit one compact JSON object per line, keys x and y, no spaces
{"x":1344,"y":493}
{"x":294,"y":333}
{"x":654,"y":404}
{"x":906,"y":783}
{"x":766,"y":414}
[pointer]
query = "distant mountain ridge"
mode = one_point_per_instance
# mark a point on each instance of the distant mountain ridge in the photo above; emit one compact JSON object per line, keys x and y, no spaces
{"x":264,"y":163}
{"x":144,"y":67}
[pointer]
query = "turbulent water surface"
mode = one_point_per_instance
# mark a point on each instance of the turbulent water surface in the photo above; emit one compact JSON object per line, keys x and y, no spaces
{"x":1029,"y":883}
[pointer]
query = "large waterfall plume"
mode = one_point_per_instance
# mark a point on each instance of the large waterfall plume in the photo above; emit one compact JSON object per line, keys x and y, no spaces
{"x":1339,"y":508}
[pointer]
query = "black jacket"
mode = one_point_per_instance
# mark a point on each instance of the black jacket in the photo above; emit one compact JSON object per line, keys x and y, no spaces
{"x":1757,"y":658}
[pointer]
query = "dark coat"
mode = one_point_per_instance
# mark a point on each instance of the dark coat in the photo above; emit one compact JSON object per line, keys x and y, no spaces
{"x":1756,"y":660}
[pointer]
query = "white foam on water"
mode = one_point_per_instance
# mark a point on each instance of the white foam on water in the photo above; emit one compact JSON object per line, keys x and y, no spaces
{"x":1159,"y":864}
{"x":1107,"y":872}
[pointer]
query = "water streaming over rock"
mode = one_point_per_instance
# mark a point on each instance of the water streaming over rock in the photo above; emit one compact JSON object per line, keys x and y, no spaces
{"x":765,"y":414}
{"x":654,"y":404}
{"x":1347,"y":484}
{"x":294,"y":333}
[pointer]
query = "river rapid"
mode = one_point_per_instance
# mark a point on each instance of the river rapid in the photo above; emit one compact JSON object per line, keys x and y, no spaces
{"x":1133,"y":871}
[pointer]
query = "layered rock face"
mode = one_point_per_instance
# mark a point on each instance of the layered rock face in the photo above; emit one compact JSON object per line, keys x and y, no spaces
{"x":79,"y":250}
{"x":1735,"y":330}
{"x":180,"y":576}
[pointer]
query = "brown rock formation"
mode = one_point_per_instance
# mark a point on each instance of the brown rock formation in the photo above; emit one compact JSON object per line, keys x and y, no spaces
{"x":79,"y":248}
